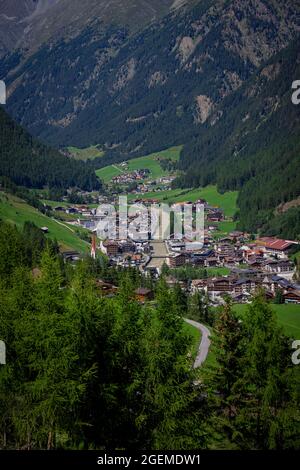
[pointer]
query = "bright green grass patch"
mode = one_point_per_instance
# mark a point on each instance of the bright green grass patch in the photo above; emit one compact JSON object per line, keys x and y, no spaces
{"x":53,"y":204}
{"x":288,"y":317}
{"x":226,"y":227}
{"x":214,"y":272}
{"x":196,"y":337}
{"x":226,"y":201}
{"x":89,"y":153}
{"x":149,"y":162}
{"x":16,"y":211}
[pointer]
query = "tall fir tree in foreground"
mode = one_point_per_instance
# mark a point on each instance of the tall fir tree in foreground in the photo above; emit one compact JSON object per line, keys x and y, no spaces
{"x":253,"y":392}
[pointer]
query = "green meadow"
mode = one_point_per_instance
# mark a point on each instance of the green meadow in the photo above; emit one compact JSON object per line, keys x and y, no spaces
{"x":149,"y":162}
{"x":288,"y":316}
{"x":89,"y":153}
{"x":107,"y":173}
{"x":226,"y":201}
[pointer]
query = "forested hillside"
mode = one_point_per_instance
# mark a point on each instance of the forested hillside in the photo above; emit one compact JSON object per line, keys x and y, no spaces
{"x":148,"y":91}
{"x":29,"y":163}
{"x":254,"y":147}
{"x":29,"y":23}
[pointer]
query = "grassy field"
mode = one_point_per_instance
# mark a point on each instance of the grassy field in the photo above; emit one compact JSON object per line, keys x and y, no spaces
{"x":65,"y":204}
{"x":225,"y":227}
{"x":16,"y":211}
{"x":89,"y":153}
{"x":219,"y":271}
{"x":288,"y":317}
{"x":226,"y":201}
{"x":107,"y":173}
{"x":149,"y":161}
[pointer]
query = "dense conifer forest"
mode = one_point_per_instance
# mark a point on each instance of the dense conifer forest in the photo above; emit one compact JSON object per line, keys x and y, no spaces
{"x":29,"y":163}
{"x":85,"y":371}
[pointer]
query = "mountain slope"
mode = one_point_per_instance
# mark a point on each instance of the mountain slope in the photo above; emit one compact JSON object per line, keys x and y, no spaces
{"x":29,"y":23}
{"x":254,"y":147}
{"x":30,"y":163}
{"x":16,"y":17}
{"x":16,"y":211}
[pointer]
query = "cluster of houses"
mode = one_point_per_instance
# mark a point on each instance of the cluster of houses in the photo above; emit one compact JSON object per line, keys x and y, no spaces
{"x":126,"y":253}
{"x":131,"y":177}
{"x":251,"y":264}
{"x":241,"y":289}
{"x":84,"y":210}
{"x":263,"y":263}
{"x":142,"y":294}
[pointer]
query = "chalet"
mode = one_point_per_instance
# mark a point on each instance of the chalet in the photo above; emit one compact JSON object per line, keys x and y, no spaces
{"x":211,"y":262}
{"x":242,"y":298}
{"x":198,"y":285}
{"x":251,"y":252}
{"x":274,"y":283}
{"x":245,"y":273}
{"x":229,"y":261}
{"x":127,"y":246}
{"x":106,"y":288}
{"x":59,"y":209}
{"x":215,"y":216}
{"x":242,"y":286}
{"x":135,"y":259}
{"x":71,"y":210}
{"x":218,"y":287}
{"x":143,"y":294}
{"x":256,"y":262}
{"x":284,"y":268}
{"x":236,"y":236}
{"x":224,"y":249}
{"x":226,"y":240}
{"x":177,"y":260}
{"x":176,"y":245}
{"x":71,"y":256}
{"x":197,"y":260}
{"x":204,"y":255}
{"x":292,"y":297}
{"x":171,"y":282}
{"x":89,"y":224}
{"x":109,"y":248}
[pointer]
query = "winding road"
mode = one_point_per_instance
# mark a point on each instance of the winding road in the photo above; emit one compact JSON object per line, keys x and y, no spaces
{"x":204,"y":344}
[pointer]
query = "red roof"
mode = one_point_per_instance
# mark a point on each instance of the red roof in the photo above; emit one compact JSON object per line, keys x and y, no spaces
{"x":276,"y":243}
